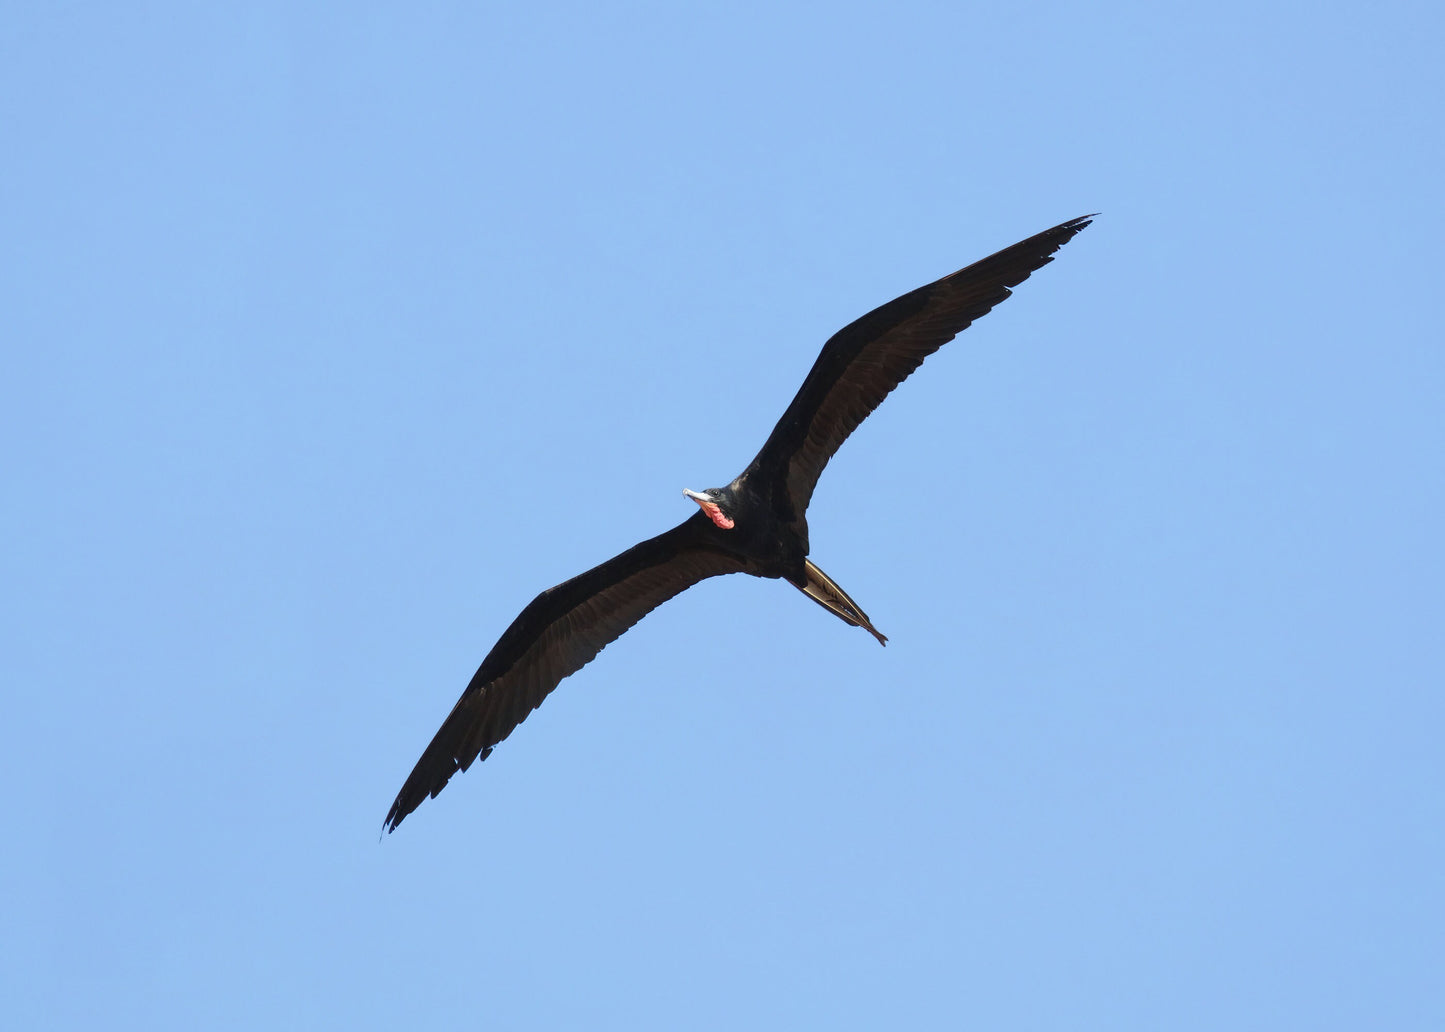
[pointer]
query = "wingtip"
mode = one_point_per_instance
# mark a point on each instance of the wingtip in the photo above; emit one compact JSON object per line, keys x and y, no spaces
{"x":396,"y":814}
{"x":1075,"y":225}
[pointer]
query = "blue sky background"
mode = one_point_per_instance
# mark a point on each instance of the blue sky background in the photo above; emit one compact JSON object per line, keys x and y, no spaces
{"x":334,"y":333}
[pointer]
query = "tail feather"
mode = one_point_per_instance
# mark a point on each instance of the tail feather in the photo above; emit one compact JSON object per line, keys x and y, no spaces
{"x":823,"y":590}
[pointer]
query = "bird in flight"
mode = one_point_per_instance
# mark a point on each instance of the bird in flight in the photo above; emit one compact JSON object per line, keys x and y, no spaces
{"x":756,"y":524}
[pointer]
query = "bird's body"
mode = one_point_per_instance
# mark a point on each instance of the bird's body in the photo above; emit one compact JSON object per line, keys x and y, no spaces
{"x":757,"y":524}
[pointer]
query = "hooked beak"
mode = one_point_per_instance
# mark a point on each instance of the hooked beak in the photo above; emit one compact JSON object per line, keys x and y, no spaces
{"x":710,"y":509}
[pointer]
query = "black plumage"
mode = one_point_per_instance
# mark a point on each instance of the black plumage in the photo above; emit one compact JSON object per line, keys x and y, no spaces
{"x":757,"y":524}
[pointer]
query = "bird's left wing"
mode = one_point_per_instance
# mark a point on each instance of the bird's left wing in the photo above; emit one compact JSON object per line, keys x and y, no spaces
{"x":561,"y":631}
{"x":862,"y":363}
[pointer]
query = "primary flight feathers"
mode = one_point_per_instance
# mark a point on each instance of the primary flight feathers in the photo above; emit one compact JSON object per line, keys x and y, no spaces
{"x":756,"y":524}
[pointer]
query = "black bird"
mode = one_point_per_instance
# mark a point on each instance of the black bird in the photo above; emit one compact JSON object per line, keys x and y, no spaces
{"x":754,"y":525}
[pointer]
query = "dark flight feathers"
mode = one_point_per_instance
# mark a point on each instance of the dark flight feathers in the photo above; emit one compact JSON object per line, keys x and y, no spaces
{"x":862,"y":363}
{"x":565,"y":627}
{"x":561,"y":631}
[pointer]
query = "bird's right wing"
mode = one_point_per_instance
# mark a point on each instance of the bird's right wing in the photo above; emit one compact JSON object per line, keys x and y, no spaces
{"x":862,"y":363}
{"x":561,"y":631}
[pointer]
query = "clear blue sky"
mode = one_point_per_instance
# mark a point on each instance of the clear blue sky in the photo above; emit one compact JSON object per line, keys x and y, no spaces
{"x":333,"y":333}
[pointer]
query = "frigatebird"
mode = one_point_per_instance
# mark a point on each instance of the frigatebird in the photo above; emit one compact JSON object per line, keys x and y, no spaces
{"x":756,"y":524}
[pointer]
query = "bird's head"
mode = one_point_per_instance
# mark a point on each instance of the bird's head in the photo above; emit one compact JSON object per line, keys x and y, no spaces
{"x":717,"y":503}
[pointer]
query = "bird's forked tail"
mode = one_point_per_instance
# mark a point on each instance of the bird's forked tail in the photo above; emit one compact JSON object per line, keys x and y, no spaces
{"x":823,"y":590}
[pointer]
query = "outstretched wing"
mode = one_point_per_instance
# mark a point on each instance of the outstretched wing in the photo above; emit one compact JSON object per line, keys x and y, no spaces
{"x":865,"y":360}
{"x":560,"y":632}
